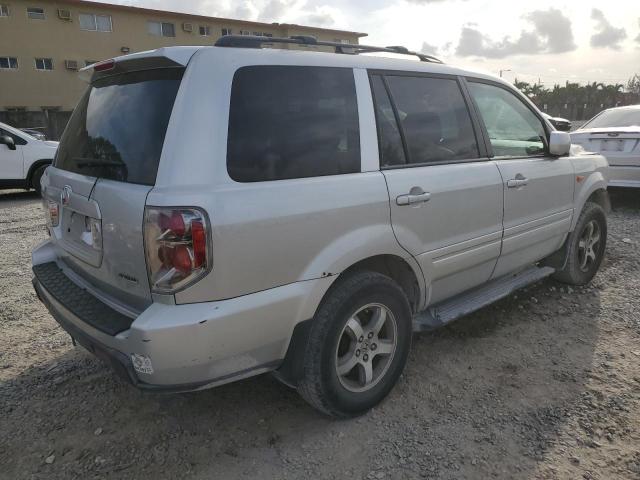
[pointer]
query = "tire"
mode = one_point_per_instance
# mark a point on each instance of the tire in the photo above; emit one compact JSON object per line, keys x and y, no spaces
{"x":583,"y":261}
{"x":362,"y":298}
{"x":35,"y":178}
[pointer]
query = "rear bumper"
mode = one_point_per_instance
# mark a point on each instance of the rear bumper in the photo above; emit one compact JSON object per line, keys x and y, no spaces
{"x":193,"y":346}
{"x":624,"y":176}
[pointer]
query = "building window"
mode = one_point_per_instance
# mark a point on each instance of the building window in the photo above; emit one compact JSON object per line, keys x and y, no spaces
{"x":44,"y":64}
{"x":35,"y":13}
{"x":4,"y":10}
{"x":8,"y":63}
{"x":205,"y":30}
{"x":245,"y":32}
{"x":95,"y":23}
{"x":341,"y":40}
{"x":227,"y":31}
{"x":161,"y":29}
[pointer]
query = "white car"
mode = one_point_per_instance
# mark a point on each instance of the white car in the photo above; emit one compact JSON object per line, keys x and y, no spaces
{"x":615,"y":133}
{"x":23,"y":158}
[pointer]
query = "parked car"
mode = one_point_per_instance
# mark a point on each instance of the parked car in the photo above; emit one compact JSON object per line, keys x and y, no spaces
{"x":615,"y":133}
{"x":23,"y":158}
{"x":561,"y":124}
{"x":34,"y":133}
{"x":219,"y":212}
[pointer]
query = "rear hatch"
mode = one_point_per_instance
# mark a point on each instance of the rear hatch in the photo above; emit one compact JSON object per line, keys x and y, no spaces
{"x":105,"y":166}
{"x":621,"y":145}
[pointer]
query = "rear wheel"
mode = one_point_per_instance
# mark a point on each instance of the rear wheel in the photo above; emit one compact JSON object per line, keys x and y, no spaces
{"x":587,"y":244}
{"x":357,"y":346}
{"x":35,"y":178}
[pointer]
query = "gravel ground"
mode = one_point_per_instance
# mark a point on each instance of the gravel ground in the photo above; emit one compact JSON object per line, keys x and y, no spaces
{"x":544,"y":384}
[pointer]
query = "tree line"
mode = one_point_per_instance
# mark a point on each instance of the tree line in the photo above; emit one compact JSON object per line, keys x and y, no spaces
{"x":581,"y":102}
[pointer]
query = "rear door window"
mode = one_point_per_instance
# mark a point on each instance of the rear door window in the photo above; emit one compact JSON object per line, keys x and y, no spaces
{"x":434,"y":118}
{"x":292,"y":122}
{"x":117,"y":130}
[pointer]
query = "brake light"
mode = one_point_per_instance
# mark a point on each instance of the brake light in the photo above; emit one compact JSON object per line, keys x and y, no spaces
{"x":103,"y":66}
{"x":176,"y":246}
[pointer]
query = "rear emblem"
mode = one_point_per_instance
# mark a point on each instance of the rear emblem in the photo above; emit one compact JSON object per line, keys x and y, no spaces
{"x":65,"y":196}
{"x":613,"y":134}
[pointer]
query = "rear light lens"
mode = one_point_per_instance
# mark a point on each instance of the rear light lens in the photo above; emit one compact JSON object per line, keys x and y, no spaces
{"x":177,"y":247}
{"x":104,"y":66}
{"x":53,"y":213}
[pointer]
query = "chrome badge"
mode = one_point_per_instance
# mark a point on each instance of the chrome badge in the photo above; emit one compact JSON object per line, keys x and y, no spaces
{"x":65,"y":196}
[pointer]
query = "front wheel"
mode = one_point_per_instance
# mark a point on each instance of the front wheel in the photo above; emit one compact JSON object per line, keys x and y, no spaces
{"x":357,"y":346}
{"x":587,"y":244}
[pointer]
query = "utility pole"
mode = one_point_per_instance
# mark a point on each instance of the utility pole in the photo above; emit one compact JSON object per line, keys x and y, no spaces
{"x":504,"y":70}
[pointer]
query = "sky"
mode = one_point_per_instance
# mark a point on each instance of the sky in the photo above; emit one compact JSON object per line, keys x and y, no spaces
{"x":551,"y":41}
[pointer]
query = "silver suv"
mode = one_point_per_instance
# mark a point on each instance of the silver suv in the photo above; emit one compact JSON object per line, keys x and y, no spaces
{"x":219,"y":212}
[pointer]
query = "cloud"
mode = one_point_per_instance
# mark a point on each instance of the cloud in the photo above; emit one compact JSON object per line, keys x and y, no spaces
{"x":322,"y":16}
{"x":424,"y":2}
{"x":607,"y":35}
{"x":638,"y":37}
{"x":551,"y":33}
{"x":429,"y":49}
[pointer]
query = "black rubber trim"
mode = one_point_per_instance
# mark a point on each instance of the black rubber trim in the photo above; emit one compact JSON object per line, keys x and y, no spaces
{"x":80,"y":302}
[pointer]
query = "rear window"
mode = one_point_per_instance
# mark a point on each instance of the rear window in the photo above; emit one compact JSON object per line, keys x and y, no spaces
{"x":117,"y":130}
{"x":292,"y":122}
{"x":623,"y":117}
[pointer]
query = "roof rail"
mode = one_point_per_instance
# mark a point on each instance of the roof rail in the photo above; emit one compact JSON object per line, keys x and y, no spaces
{"x":252,"y":41}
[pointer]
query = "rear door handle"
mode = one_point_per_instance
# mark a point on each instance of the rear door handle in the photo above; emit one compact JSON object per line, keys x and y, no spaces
{"x":517,"y":182}
{"x":413,"y":198}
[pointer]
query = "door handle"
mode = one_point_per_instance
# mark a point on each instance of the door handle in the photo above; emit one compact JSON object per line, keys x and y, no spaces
{"x":413,"y":198}
{"x":517,"y":182}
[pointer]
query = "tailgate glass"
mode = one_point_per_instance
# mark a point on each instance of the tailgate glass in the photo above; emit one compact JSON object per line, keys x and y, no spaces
{"x":117,"y":130}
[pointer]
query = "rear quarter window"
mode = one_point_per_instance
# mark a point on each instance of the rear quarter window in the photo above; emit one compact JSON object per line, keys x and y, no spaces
{"x":292,"y":122}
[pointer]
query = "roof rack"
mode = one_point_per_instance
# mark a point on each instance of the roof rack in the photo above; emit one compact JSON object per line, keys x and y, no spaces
{"x":252,"y":41}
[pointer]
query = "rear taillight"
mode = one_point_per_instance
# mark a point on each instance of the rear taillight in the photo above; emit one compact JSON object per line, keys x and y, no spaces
{"x":177,"y":247}
{"x":53,"y":213}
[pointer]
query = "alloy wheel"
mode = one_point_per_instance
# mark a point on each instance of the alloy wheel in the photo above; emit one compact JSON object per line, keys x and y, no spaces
{"x":366,"y":347}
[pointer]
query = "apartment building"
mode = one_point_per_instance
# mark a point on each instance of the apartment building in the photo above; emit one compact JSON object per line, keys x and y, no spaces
{"x":43,"y":43}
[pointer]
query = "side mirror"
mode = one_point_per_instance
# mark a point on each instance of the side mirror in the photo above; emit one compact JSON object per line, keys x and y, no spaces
{"x":8,"y":141}
{"x":559,"y":143}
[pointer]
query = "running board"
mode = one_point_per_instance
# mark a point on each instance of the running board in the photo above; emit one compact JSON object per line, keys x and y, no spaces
{"x":470,"y":301}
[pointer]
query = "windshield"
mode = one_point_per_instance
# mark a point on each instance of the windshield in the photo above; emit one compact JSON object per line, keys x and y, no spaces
{"x":117,"y":130}
{"x":621,"y":117}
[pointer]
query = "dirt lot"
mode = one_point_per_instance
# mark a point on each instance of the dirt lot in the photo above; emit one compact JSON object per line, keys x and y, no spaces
{"x":545,"y":384}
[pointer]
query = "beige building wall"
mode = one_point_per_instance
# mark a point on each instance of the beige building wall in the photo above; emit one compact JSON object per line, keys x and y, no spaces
{"x":58,"y":39}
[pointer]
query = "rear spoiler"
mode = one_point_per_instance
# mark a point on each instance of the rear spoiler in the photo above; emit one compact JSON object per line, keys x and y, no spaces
{"x":172,"y":57}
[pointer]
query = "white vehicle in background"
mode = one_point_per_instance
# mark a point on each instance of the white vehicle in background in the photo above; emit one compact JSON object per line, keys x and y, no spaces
{"x":615,"y":133}
{"x":23,"y":158}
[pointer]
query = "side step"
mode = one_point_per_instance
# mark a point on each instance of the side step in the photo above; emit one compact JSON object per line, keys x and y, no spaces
{"x":474,"y":299}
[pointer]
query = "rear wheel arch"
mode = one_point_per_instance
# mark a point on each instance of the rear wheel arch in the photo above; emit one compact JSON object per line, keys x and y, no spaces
{"x":392,"y":266}
{"x":396,"y":268}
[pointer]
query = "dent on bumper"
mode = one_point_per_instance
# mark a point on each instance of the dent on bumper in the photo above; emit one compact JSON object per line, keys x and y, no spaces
{"x":200,"y":345}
